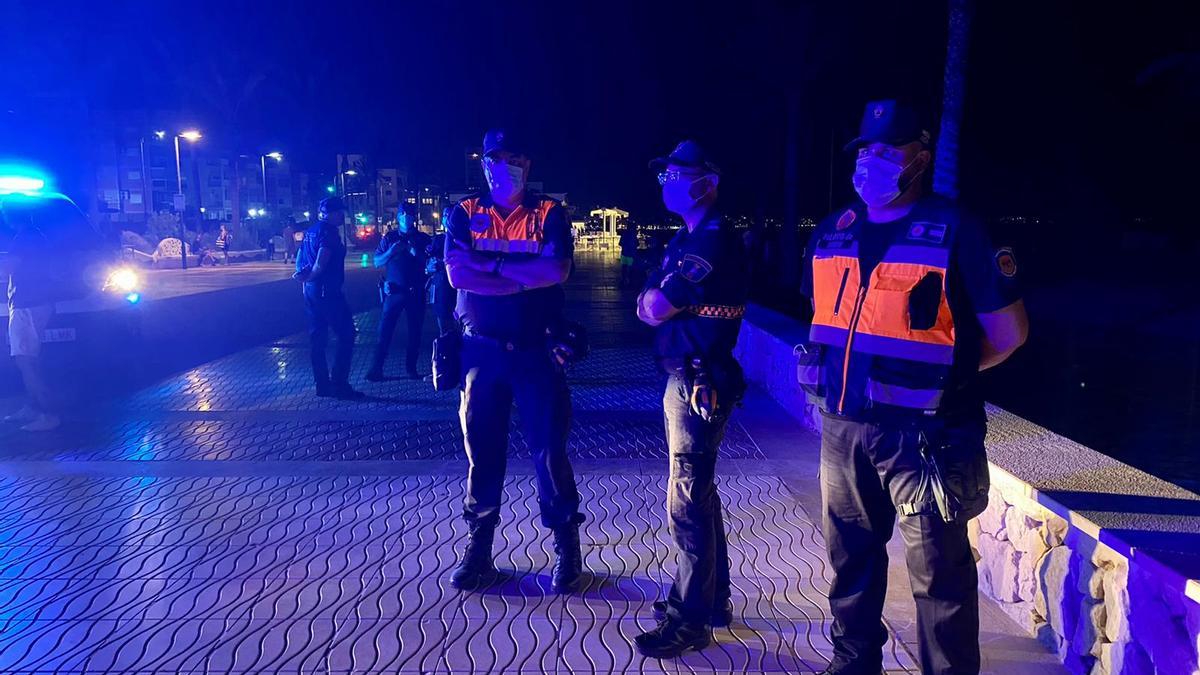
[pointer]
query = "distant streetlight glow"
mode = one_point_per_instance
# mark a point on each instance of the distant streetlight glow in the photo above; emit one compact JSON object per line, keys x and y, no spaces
{"x":351,"y":172}
{"x":203,"y":210}
{"x":307,"y":214}
{"x":277,"y":156}
{"x":160,"y":134}
{"x":251,"y":212}
{"x":190,"y":135}
{"x":330,"y":189}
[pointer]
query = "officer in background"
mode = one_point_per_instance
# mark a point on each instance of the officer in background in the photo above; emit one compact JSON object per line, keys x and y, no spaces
{"x":440,"y":295}
{"x":696,"y":302}
{"x":403,"y":254}
{"x":910,"y":302}
{"x":321,"y":267}
{"x":508,"y":251}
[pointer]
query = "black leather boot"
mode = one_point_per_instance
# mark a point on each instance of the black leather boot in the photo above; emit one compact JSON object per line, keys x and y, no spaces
{"x":476,"y":568}
{"x":568,"y":567}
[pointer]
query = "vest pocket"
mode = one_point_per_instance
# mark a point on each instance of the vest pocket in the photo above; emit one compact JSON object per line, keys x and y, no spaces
{"x":924,"y":300}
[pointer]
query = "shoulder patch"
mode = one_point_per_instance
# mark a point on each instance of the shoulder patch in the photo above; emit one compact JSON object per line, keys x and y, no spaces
{"x":927,"y":231}
{"x":694,"y":268}
{"x":1006,"y":262}
{"x":846,"y":219}
{"x":480,"y":222}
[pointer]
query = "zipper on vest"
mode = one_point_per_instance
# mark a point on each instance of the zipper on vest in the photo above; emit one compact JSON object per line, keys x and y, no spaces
{"x":854,"y":317}
{"x":837,"y":304}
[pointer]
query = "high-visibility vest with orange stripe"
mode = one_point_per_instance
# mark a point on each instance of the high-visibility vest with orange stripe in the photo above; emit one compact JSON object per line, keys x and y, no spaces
{"x":520,"y":232}
{"x":888,"y":339}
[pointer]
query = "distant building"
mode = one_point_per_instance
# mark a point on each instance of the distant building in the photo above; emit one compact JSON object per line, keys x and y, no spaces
{"x":612,"y":220}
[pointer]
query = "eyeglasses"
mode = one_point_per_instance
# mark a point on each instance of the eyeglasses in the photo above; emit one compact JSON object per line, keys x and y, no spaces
{"x":886,"y":152}
{"x":665,"y":177}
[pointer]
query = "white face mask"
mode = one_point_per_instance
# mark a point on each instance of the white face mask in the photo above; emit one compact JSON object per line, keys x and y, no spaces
{"x":507,"y":183}
{"x":877,"y":180}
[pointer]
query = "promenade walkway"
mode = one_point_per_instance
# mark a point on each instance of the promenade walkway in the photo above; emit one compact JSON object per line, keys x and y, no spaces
{"x":225,"y":520}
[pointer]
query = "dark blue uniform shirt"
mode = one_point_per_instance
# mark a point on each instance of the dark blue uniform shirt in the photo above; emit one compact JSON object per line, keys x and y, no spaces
{"x":706,"y":268}
{"x":407,"y":266}
{"x":325,"y":235}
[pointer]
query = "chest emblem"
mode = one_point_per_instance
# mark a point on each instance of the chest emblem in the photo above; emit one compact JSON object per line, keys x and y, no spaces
{"x":926,"y":231}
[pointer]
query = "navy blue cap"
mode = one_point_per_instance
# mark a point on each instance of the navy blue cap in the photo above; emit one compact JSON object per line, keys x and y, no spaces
{"x":497,"y":140}
{"x":331,"y":204}
{"x":688,"y":154}
{"x":891,"y":122}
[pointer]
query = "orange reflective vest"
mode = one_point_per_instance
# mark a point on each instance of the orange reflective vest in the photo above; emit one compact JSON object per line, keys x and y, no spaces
{"x":520,"y":232}
{"x":888,"y":339}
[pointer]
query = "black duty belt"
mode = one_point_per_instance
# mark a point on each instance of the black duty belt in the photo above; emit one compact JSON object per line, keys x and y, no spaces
{"x":520,"y":344}
{"x":718,"y":311}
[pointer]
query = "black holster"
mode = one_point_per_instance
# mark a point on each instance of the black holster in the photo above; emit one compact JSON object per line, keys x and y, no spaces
{"x":447,"y":361}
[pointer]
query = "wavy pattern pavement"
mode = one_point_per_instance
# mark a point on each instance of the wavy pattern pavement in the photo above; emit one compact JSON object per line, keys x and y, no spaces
{"x":121,"y":551}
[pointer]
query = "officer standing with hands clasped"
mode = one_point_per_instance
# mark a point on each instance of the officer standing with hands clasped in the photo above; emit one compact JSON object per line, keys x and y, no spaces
{"x":696,"y":302}
{"x":402,"y":253}
{"x":910,"y":302}
{"x":508,"y":251}
{"x":321,"y":267}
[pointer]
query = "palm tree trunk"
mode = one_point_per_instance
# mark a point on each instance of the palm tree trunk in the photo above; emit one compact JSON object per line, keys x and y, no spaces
{"x":945,"y":168}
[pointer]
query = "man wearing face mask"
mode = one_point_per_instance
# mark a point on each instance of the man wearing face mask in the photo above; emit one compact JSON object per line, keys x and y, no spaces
{"x":402,"y":254}
{"x":910,"y":302}
{"x":508,"y":251}
{"x":695,"y":301}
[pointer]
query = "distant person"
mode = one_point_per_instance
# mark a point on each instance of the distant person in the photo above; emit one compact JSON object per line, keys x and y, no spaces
{"x":289,"y":242}
{"x":508,"y":252}
{"x":695,"y":300}
{"x":629,"y":253}
{"x":897,"y":364}
{"x":28,"y":263}
{"x":224,"y":240}
{"x":402,"y":255}
{"x":321,"y":267}
{"x":440,"y":295}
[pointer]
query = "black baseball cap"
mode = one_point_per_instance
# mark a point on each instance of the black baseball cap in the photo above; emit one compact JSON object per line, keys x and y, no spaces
{"x":497,"y":140}
{"x":331,"y":204}
{"x":892,"y":122}
{"x":688,"y":154}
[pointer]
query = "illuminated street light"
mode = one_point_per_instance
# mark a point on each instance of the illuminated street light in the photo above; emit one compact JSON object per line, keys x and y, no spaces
{"x":330,"y":189}
{"x":307,"y":214}
{"x":160,"y":134}
{"x":192,"y":136}
{"x":278,"y":157}
{"x":351,"y":172}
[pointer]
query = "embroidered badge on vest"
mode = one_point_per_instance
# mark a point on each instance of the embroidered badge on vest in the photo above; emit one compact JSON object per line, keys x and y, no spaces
{"x":480,"y":222}
{"x":1006,"y":262}
{"x":846,"y":219}
{"x":926,"y":231}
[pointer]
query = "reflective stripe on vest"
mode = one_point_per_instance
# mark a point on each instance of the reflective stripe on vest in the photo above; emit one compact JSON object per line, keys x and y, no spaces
{"x":718,"y":311}
{"x":907,"y":353}
{"x":520,"y":232}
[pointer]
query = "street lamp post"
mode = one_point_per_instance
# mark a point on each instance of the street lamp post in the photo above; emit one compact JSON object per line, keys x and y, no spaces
{"x":191,"y":136}
{"x":278,"y":157}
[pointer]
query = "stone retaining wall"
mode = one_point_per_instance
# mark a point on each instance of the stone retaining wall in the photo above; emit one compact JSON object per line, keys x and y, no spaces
{"x":1105,"y":607}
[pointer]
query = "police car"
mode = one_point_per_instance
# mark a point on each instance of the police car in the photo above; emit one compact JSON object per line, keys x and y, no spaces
{"x":97,"y":298}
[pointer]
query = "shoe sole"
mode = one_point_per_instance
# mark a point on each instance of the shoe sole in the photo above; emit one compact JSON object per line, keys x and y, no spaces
{"x":481,"y":581}
{"x":713,"y":621}
{"x":693,"y":647}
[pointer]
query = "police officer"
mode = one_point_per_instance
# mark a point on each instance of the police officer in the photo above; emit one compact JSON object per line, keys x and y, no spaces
{"x":321,"y":267}
{"x":402,"y":253}
{"x":508,"y":251}
{"x":696,"y":302}
{"x":910,"y":302}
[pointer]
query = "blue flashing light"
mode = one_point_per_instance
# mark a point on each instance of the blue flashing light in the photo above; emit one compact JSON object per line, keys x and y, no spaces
{"x":133,"y":298}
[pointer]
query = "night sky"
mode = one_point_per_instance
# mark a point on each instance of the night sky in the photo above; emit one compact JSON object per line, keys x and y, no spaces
{"x":1058,"y":121}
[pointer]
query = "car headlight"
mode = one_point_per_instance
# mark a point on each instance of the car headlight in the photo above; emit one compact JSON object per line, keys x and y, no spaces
{"x":122,"y":280}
